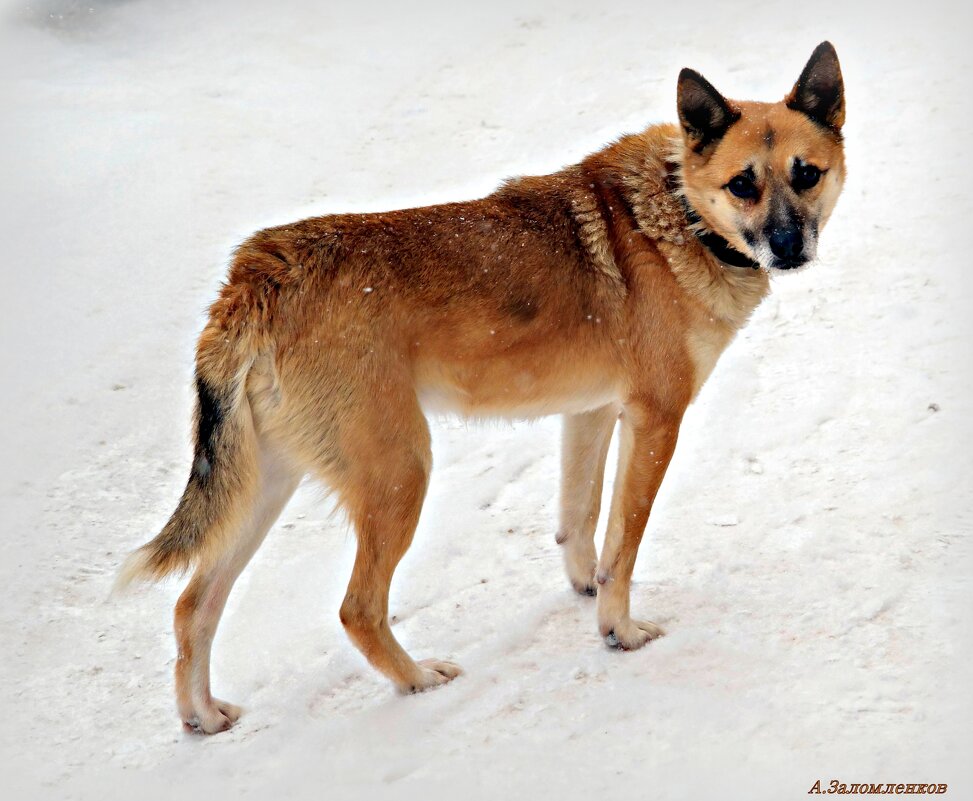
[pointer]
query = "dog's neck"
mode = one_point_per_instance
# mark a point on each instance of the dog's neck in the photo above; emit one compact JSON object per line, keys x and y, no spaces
{"x":644,"y":169}
{"x":703,"y":263}
{"x":648,"y":169}
{"x":722,"y":250}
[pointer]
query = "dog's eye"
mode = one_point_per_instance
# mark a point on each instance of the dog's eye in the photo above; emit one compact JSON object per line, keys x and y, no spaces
{"x":743,"y":187}
{"x":805,"y":176}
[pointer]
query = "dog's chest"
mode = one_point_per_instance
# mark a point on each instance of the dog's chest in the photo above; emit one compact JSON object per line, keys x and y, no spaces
{"x":706,"y":340}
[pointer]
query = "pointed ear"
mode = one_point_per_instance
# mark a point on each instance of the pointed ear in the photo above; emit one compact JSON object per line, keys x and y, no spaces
{"x":820,"y":92}
{"x":704,"y":113}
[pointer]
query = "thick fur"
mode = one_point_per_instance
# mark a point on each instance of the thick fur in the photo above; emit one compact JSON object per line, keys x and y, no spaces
{"x":584,"y":293}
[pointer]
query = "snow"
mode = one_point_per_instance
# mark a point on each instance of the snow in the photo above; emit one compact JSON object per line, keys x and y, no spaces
{"x":809,"y":555}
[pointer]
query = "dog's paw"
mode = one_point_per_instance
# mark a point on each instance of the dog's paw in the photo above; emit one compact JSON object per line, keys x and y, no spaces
{"x":213,"y":718}
{"x":432,"y":673}
{"x":630,"y":635}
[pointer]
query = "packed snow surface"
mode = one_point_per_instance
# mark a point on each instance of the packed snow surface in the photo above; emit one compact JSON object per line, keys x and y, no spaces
{"x":809,"y":555}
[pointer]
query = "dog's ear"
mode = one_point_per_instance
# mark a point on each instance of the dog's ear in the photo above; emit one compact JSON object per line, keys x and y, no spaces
{"x":820,"y":92}
{"x":704,"y":113}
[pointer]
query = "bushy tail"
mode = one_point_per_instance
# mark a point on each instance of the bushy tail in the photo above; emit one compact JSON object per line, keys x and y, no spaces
{"x":224,"y":464}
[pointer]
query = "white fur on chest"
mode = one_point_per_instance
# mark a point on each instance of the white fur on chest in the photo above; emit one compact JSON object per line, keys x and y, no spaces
{"x":705,"y":348}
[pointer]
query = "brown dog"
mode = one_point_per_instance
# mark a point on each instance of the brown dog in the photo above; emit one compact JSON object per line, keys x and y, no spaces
{"x":604,"y":291}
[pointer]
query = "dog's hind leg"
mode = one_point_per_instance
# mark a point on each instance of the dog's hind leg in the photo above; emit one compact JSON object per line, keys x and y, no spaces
{"x":382,"y":486}
{"x":647,"y":442}
{"x":584,"y":448}
{"x":200,"y":606}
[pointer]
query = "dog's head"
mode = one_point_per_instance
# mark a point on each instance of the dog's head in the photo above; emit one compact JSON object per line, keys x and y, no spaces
{"x":765,"y":176}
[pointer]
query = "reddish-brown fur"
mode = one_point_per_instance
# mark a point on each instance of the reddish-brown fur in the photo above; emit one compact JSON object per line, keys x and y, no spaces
{"x":584,"y":293}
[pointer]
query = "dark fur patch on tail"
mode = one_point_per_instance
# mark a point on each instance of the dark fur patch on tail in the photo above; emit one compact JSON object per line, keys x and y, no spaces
{"x":211,"y":413}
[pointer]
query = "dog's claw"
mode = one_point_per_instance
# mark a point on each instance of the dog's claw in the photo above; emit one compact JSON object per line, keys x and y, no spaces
{"x":220,"y":718}
{"x":433,"y":673}
{"x":633,"y":635}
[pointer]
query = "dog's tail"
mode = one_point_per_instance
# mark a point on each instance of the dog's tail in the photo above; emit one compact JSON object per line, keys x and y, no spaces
{"x":224,"y":469}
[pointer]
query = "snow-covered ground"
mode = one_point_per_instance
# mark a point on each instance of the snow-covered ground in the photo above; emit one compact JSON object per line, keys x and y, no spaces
{"x":809,"y":557}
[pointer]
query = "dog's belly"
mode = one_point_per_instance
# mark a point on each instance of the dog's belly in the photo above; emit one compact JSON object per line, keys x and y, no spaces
{"x":515,"y":393}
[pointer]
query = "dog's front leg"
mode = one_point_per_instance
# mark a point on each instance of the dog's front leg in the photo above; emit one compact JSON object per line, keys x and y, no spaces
{"x":584,"y":448}
{"x":648,"y":439}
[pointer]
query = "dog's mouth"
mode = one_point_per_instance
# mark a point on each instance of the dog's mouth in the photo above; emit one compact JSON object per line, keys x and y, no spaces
{"x":789,"y":265}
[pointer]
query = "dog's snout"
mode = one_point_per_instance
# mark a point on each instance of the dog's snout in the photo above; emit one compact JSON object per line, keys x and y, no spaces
{"x":787,"y":244}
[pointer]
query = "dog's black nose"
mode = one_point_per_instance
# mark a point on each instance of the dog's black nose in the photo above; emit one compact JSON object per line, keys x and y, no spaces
{"x":787,"y":245}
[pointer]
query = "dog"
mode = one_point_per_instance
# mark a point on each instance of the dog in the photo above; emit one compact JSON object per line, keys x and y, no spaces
{"x":604,"y":292}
